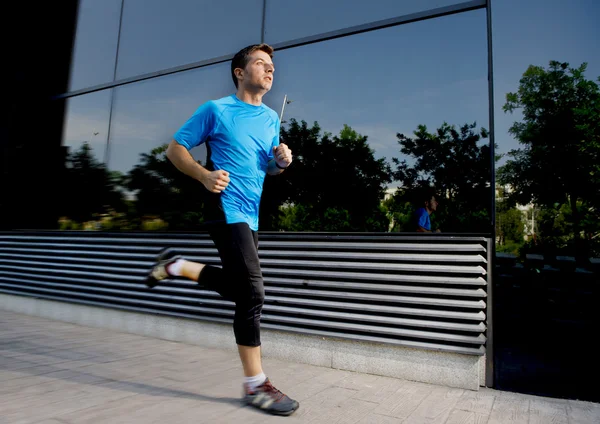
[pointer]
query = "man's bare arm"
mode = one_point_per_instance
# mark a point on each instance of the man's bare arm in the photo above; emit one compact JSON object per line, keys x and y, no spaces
{"x":215,"y":181}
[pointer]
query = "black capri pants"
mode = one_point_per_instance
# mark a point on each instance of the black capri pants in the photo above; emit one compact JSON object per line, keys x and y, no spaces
{"x":240,"y":278}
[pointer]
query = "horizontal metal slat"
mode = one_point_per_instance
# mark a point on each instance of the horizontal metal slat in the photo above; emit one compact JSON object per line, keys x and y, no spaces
{"x":340,"y":304}
{"x":92,"y":282}
{"x":379,"y":256}
{"x":74,"y":254}
{"x":279,"y":272}
{"x":389,"y":247}
{"x":139,"y":266}
{"x":399,"y":279}
{"x":113,"y":272}
{"x":293,"y":264}
{"x":56,"y":247}
{"x":382,"y":298}
{"x":84,"y":242}
{"x":475,"y":292}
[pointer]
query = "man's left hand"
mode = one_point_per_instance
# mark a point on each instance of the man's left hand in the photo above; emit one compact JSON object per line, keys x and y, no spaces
{"x":282,"y":155}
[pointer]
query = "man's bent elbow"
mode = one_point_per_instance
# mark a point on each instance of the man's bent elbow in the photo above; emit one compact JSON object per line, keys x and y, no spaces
{"x":172,"y":150}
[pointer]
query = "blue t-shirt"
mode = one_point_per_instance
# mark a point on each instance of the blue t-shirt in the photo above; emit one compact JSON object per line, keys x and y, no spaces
{"x":239,"y":139}
{"x":423,"y":219}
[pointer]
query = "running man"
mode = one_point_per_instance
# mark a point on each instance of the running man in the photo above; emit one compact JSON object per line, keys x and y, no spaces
{"x":423,"y":213}
{"x":242,"y":141}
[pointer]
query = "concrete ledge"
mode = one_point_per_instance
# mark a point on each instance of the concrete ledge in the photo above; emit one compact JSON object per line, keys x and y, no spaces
{"x":442,"y":368}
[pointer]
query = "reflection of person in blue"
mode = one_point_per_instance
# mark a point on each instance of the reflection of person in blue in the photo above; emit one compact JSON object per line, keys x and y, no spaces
{"x":242,"y":139}
{"x":422,"y":215}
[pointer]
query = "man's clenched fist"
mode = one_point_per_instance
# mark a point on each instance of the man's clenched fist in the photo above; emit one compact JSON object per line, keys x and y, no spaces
{"x":216,"y":181}
{"x":282,"y":155}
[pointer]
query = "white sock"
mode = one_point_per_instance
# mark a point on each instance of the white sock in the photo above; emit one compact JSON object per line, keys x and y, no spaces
{"x":174,"y":269}
{"x":257,"y":380}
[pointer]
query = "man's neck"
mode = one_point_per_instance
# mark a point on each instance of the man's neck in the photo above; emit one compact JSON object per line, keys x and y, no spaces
{"x":429,"y":211}
{"x":249,"y":97}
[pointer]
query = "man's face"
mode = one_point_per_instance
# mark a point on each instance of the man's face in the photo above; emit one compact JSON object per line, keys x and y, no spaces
{"x":258,"y":74}
{"x":432,"y":204}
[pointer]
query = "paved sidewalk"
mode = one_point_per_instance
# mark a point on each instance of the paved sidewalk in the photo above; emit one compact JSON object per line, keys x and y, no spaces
{"x":58,"y":373}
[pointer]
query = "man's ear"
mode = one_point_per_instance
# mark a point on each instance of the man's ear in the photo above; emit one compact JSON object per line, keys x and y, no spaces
{"x":239,"y":73}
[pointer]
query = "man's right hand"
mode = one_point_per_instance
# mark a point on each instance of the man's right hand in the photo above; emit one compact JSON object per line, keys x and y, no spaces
{"x":216,"y":181}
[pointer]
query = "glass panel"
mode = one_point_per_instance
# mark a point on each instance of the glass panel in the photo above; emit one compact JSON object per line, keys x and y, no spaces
{"x":291,"y":19}
{"x":380,"y":84}
{"x":145,"y":117}
{"x":557,"y":161}
{"x":534,"y":214}
{"x":86,"y":122}
{"x":157,"y":34}
{"x":95,"y":47}
{"x":87,"y":189}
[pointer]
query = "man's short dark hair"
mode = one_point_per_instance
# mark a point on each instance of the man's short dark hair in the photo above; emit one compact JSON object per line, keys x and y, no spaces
{"x":425,"y":195}
{"x":240,"y":60}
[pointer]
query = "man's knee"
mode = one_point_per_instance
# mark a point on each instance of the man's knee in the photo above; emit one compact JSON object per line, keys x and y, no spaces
{"x":246,"y":324}
{"x":251,"y":308}
{"x":258,"y":294}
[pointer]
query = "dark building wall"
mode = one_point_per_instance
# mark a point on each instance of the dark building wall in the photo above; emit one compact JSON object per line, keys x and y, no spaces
{"x":39,"y":45}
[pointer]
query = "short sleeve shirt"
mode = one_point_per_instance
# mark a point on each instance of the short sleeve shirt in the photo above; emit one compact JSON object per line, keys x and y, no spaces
{"x":240,"y":138}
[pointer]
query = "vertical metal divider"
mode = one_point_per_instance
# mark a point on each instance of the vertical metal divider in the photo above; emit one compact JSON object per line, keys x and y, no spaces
{"x":264,"y":17}
{"x":489,"y":378}
{"x":112,"y":90}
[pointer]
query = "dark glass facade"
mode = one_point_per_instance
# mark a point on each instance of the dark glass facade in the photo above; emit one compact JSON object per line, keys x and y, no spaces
{"x":370,"y":91}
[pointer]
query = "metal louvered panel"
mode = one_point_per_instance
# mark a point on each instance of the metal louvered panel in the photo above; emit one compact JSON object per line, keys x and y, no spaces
{"x":426,"y":291}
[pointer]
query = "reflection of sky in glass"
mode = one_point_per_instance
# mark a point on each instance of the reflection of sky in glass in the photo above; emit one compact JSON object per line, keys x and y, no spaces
{"x":87,"y":120}
{"x":534,"y":32}
{"x":380,"y":83}
{"x":291,"y":19}
{"x":148,"y":113}
{"x":159,"y":34}
{"x":96,"y":43}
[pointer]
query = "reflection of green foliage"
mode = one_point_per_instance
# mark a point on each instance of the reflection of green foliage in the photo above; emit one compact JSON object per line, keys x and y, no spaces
{"x":455,"y":164}
{"x":555,"y":232}
{"x":89,"y":188}
{"x":335,"y":183}
{"x":560,"y":161}
{"x":162,"y":191}
{"x":510,"y":225}
{"x":293,"y":218}
{"x":400,"y":214}
{"x":301,"y":218}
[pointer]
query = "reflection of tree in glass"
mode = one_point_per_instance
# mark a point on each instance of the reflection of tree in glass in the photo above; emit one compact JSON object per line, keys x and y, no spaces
{"x":334,"y":184}
{"x":457,"y":166}
{"x":89,"y":189}
{"x":510,"y":225}
{"x":560,"y":161}
{"x":164,"y":193}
